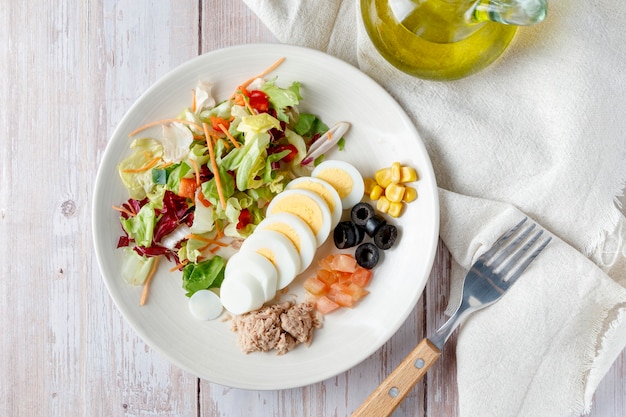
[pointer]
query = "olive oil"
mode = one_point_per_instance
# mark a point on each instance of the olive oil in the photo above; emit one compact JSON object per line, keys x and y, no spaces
{"x":432,"y":39}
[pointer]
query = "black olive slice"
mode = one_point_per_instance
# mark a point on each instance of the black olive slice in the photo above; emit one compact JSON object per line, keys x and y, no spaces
{"x":367,"y":255}
{"x":345,"y":235}
{"x":374,"y":224}
{"x":386,"y":236}
{"x":361,"y":213}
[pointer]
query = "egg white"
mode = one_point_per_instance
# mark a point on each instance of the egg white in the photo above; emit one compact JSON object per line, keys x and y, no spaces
{"x":285,"y":256}
{"x":295,"y":196}
{"x":306,"y":245}
{"x":310,"y":184}
{"x":257,"y":265}
{"x":241,"y":293}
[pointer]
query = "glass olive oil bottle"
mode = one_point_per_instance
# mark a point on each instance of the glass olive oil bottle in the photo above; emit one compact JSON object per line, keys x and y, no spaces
{"x":436,"y":39}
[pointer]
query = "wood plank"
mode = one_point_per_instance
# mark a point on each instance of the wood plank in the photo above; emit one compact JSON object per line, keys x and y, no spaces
{"x":75,"y":67}
{"x":141,"y":42}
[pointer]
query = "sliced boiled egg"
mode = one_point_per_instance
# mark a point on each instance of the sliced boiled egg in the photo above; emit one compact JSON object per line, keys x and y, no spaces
{"x":257,"y":265}
{"x":205,"y":305}
{"x":241,"y":293}
{"x":297,"y":231}
{"x":279,"y":250}
{"x":308,"y":206}
{"x":344,"y":177}
{"x":325,"y":190}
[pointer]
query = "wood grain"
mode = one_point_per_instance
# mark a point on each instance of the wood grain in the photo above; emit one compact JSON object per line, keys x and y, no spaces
{"x":69,"y":70}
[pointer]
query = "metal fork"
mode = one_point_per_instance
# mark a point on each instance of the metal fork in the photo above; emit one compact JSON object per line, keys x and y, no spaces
{"x":486,"y":282}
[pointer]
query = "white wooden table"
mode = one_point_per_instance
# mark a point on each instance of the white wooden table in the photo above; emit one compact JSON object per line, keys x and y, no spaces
{"x":69,"y":71}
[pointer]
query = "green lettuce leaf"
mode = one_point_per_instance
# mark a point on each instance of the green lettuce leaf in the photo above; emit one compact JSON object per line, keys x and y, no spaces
{"x":135,"y":268}
{"x":141,"y":226}
{"x":139,"y":184}
{"x":282,"y":98}
{"x":203,"y":275}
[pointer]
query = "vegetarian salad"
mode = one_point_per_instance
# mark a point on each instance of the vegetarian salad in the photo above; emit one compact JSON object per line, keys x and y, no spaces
{"x":202,"y":187}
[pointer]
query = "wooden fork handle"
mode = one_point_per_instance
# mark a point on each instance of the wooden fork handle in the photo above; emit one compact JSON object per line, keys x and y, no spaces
{"x":390,"y":393}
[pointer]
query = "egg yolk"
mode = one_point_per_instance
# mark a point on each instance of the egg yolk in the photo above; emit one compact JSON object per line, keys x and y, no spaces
{"x":318,"y":189}
{"x":339,"y":179}
{"x":268,"y":254}
{"x":287,"y":231}
{"x":304,"y":207}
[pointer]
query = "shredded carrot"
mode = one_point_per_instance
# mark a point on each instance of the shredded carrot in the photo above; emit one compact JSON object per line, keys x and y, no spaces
{"x":229,"y":136}
{"x":144,"y":293}
{"x":203,"y":200}
{"x":123,"y":210}
{"x":249,"y":107}
{"x":145,"y":167}
{"x":206,"y":239}
{"x":218,"y":229}
{"x":180,"y":265}
{"x":196,"y":170}
{"x":167,"y":164}
{"x":193,"y":100}
{"x":263,"y":74}
{"x":216,"y":173}
{"x":162,"y":122}
{"x":215,"y":249}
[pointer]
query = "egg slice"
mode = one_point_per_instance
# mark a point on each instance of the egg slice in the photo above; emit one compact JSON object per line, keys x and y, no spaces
{"x":297,"y":231}
{"x":241,"y":293}
{"x":279,"y":250}
{"x":308,"y":206}
{"x":257,"y":265}
{"x":325,"y":190}
{"x":344,"y":177}
{"x":205,"y":305}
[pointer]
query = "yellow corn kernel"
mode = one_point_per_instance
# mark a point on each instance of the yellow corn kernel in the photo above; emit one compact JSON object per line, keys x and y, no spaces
{"x":394,"y":192}
{"x":383,"y":204}
{"x":410,"y":194}
{"x":376,"y":192}
{"x":383,"y":177}
{"x":408,"y":174}
{"x":395,"y":172}
{"x":395,"y":209}
{"x":369,"y":184}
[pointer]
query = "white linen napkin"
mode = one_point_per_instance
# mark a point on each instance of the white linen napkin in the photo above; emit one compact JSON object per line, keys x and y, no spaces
{"x":542,"y":132}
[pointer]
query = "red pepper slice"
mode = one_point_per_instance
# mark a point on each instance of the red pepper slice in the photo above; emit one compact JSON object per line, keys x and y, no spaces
{"x":293,"y":151}
{"x":245,"y":218}
{"x":259,"y":101}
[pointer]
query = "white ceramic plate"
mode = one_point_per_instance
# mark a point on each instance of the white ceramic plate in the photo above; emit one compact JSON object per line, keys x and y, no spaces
{"x":381,"y":133}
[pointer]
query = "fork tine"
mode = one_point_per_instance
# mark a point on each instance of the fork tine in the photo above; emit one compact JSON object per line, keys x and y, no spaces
{"x":520,"y":269}
{"x":511,"y":247}
{"x":521,"y":252}
{"x":501,"y":240}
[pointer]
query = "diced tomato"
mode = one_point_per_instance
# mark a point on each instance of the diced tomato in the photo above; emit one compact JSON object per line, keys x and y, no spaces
{"x":344,"y":263}
{"x":326,"y":263}
{"x":259,"y":101}
{"x":325,"y":305}
{"x":315,"y":286}
{"x":356,"y":292}
{"x":327,"y":277}
{"x":340,"y":296}
{"x":342,"y":277}
{"x":344,"y":282}
{"x":361,"y":276}
{"x":187,"y":188}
